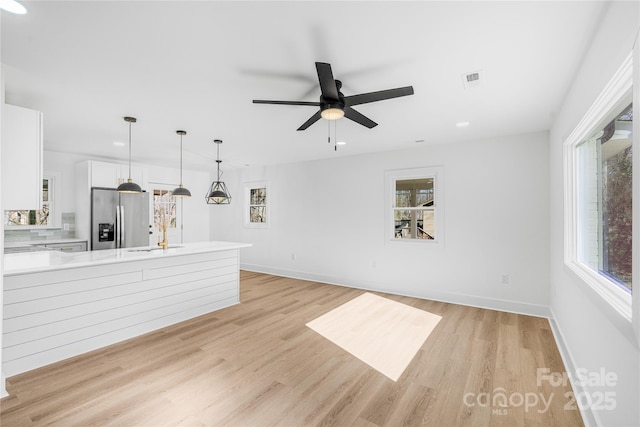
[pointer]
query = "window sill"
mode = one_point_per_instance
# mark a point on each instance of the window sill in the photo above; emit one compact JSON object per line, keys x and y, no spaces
{"x":256,"y":225}
{"x":615,"y":297}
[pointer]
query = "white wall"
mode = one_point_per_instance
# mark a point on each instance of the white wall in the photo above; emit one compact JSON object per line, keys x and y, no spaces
{"x":591,"y":334}
{"x":330,"y":214}
{"x":196,"y":212}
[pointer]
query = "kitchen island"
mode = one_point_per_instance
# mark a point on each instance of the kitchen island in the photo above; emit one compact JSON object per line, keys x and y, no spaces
{"x":58,"y":305}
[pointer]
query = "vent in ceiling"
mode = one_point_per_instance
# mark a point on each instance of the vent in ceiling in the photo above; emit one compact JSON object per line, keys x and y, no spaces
{"x":472,"y":79}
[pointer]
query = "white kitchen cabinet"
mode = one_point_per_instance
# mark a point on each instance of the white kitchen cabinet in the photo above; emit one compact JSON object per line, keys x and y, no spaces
{"x":21,"y":158}
{"x":90,"y":300}
{"x":111,"y":175}
{"x":67,"y":247}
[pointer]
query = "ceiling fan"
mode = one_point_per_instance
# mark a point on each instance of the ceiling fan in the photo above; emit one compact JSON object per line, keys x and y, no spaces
{"x":334,"y":105}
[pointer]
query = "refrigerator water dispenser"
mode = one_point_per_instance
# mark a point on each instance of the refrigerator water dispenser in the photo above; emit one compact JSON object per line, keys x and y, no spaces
{"x":106,"y":232}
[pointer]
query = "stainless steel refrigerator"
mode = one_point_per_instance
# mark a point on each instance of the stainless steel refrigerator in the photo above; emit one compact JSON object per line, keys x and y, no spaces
{"x":119,"y":220}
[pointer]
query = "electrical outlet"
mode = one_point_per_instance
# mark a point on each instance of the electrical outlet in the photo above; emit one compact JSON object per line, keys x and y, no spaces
{"x":373,"y":264}
{"x":293,"y":257}
{"x":504,"y":278}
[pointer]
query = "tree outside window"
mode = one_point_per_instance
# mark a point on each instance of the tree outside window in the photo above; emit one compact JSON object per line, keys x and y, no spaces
{"x":605,"y":196}
{"x":164,"y":209}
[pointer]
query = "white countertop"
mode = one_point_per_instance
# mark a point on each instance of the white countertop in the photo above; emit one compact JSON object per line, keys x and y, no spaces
{"x":33,"y":262}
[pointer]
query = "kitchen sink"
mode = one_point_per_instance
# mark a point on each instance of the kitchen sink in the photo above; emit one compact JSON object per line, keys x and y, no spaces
{"x":153,"y":248}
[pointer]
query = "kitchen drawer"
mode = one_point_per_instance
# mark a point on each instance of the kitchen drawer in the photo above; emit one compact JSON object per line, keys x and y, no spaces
{"x":67,"y":247}
{"x":18,"y":249}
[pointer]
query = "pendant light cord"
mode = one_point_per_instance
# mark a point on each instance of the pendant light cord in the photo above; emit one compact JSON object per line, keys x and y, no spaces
{"x":129,"y":151}
{"x":180,"y":160}
{"x":218,"y":159}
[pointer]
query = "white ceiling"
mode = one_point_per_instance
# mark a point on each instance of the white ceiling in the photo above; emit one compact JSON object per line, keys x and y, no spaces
{"x":197,"y":65}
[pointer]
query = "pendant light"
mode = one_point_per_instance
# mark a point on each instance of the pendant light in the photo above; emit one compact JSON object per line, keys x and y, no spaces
{"x":218,"y":193}
{"x":129,"y":186}
{"x":181,"y":191}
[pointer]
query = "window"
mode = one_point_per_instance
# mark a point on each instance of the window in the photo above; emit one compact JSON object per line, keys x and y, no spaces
{"x":256,"y":205}
{"x":604,"y":171}
{"x":164,"y":209}
{"x":413,"y":212}
{"x":43,"y":217}
{"x":598,"y":194}
{"x":415,"y":202}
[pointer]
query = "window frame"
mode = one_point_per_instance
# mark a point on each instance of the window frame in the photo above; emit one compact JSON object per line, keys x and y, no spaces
{"x":391,"y":176}
{"x":248,"y":186}
{"x":615,"y":96}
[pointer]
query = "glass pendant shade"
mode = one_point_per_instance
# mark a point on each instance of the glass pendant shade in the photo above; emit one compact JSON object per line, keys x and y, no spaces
{"x":218,"y":193}
{"x":129,"y":186}
{"x":181,"y":191}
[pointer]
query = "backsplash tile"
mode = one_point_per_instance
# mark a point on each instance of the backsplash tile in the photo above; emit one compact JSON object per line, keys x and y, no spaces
{"x":67,"y":231}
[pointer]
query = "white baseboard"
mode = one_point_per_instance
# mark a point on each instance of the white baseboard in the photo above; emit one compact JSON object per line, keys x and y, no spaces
{"x":449,"y":297}
{"x":3,"y":386}
{"x":589,"y":417}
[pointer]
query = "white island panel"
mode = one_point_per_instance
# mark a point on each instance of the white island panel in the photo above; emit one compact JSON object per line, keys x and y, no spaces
{"x":71,"y":304}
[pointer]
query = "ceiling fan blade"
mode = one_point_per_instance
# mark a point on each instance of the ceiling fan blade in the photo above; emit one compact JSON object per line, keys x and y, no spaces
{"x":357,"y":117}
{"x":311,"y":121}
{"x":261,"y":101}
{"x":381,"y":95}
{"x":327,"y":82}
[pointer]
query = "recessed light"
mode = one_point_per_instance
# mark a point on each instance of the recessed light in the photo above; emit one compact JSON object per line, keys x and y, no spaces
{"x":341,"y":143}
{"x":462,"y":124}
{"x":13,"y":6}
{"x":118,"y":144}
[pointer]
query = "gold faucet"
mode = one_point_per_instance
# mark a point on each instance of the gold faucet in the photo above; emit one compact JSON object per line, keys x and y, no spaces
{"x":165,"y":242}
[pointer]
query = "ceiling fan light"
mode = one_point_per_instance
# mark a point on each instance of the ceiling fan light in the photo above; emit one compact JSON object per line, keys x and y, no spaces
{"x":332,"y":113}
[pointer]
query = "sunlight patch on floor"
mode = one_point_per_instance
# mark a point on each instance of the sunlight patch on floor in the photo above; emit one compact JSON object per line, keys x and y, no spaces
{"x":384,"y":334}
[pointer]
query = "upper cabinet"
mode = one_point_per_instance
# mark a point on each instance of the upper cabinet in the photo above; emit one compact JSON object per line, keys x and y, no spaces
{"x":21,"y":158}
{"x":110,"y":175}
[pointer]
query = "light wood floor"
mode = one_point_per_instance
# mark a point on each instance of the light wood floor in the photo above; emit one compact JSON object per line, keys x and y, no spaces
{"x":257,"y":364}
